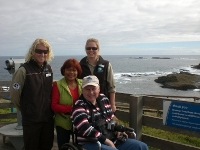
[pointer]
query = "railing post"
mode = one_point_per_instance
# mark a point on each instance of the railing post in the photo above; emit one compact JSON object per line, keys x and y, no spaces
{"x":136,"y":111}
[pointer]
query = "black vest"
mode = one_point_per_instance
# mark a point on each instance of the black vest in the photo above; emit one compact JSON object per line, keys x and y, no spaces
{"x":100,"y":71}
{"x":35,"y":100}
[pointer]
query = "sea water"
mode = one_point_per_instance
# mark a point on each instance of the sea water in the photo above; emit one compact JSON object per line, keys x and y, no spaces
{"x":133,"y":74}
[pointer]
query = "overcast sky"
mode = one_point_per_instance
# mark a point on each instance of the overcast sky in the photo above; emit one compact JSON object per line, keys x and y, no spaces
{"x":131,"y":27}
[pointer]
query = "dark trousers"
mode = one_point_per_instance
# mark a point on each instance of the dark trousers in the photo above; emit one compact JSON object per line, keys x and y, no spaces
{"x":63,"y":136}
{"x":39,"y":136}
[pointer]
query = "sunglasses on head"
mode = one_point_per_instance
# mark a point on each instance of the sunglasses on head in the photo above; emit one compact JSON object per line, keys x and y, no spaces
{"x":93,"y":48}
{"x":40,"y":51}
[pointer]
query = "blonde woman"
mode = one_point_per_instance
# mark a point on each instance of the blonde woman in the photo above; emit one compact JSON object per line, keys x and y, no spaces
{"x":31,"y":93}
{"x":94,"y":64}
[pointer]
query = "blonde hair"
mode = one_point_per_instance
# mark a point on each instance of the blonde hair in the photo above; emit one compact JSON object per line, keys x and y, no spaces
{"x":92,"y":40}
{"x":31,"y":51}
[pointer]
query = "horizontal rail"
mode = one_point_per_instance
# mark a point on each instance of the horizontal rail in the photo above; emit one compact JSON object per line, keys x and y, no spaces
{"x":164,"y":144}
{"x":6,"y":105}
{"x":179,"y":97}
{"x":4,"y":94}
{"x":8,"y":116}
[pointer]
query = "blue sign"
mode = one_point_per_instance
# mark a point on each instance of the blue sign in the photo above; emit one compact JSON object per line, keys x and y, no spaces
{"x":182,"y":115}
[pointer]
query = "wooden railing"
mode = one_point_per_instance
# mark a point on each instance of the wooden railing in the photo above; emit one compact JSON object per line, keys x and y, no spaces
{"x":133,"y":108}
{"x":4,"y":94}
{"x":8,"y":115}
{"x":138,"y":105}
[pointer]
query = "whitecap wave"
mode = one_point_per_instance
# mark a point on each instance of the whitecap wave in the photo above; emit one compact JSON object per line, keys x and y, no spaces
{"x":196,"y":90}
{"x":129,"y":77}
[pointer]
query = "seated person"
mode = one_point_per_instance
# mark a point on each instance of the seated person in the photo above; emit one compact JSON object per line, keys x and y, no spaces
{"x":91,"y":122}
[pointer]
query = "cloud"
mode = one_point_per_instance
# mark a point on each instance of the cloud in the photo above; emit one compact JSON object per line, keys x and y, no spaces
{"x":67,"y":24}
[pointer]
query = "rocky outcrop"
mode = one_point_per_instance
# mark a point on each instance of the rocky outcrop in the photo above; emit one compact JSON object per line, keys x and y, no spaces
{"x":180,"y":81}
{"x":196,"y":66}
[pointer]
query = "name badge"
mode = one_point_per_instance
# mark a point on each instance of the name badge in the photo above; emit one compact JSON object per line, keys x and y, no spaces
{"x":48,"y":74}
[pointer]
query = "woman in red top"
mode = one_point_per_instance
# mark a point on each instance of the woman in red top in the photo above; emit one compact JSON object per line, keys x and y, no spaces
{"x":64,"y":93}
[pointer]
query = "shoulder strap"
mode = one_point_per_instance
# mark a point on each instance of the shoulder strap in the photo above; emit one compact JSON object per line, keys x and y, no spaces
{"x":101,"y":105}
{"x":92,"y":114}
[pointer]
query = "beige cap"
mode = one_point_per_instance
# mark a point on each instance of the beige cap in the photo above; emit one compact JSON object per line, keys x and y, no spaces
{"x":90,"y":80}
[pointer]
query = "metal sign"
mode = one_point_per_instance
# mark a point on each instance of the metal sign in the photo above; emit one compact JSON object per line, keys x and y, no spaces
{"x":182,"y":115}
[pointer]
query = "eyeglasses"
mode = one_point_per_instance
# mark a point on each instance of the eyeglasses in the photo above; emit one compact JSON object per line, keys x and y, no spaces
{"x":93,"y":48}
{"x":40,"y":51}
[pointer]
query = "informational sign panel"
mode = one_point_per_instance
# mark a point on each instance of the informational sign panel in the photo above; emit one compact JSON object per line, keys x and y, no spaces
{"x":181,"y":115}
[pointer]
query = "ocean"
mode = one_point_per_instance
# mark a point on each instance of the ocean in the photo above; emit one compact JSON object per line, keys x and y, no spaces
{"x":133,"y":74}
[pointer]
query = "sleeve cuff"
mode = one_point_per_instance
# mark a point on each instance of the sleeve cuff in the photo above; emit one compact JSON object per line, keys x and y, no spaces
{"x":102,"y":138}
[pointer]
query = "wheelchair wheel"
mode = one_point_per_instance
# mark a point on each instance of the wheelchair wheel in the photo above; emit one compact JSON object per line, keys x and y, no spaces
{"x":69,"y":146}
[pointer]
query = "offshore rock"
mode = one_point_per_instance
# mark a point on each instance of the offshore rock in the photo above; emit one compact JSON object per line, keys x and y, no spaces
{"x":196,"y":66}
{"x":161,"y":58}
{"x":180,"y":81}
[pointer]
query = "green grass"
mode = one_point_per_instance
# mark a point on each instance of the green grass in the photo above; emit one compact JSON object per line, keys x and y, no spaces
{"x":180,"y":138}
{"x":7,"y":110}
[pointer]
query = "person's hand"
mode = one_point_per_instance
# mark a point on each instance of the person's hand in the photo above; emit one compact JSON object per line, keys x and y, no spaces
{"x":113,"y":108}
{"x":109,"y":143}
{"x":119,"y":134}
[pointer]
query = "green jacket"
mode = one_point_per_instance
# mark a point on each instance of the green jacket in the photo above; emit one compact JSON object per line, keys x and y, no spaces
{"x":61,"y":119}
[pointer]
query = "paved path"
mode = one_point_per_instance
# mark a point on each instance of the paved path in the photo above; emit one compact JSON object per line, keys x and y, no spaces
{"x":8,"y":145}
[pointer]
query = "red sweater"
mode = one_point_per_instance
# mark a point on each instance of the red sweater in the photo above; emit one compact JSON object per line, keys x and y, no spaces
{"x":55,"y":97}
